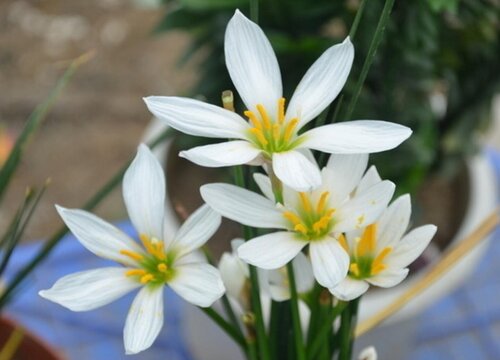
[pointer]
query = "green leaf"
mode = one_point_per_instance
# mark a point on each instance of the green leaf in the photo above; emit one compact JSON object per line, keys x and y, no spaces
{"x":212,"y":4}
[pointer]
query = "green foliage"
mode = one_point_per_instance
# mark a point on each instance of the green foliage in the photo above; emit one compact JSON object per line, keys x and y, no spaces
{"x":446,"y":48}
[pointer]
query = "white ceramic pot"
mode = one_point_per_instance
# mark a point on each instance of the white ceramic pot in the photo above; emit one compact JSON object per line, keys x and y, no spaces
{"x":207,"y":342}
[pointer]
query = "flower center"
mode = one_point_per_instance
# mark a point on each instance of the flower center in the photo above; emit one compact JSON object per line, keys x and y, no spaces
{"x":155,"y":267}
{"x":365,"y":262}
{"x":273,"y":134}
{"x":311,"y":222}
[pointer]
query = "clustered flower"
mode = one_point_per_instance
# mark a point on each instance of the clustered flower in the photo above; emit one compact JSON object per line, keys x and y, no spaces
{"x":336,"y":224}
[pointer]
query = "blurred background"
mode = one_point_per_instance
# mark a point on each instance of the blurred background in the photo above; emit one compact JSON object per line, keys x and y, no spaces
{"x":437,"y":70}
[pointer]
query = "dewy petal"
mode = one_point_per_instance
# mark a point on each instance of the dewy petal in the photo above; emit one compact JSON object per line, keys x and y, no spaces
{"x":371,"y":178}
{"x":346,"y":173}
{"x":144,"y":193}
{"x":389,"y":277}
{"x":252,"y":64}
{"x":264,"y":184}
{"x":295,"y":171}
{"x":228,"y":153}
{"x":411,"y":246}
{"x":88,"y":290}
{"x":243,"y":206}
{"x":322,"y":83}
{"x":99,"y":236}
{"x":199,"y":284}
{"x":349,"y":289}
{"x":196,"y":230}
{"x":233,"y":274}
{"x":394,"y":222}
{"x":356,"y":137}
{"x":271,"y":251}
{"x":364,"y":208}
{"x":330,"y":262}
{"x":144,"y":320}
{"x":197,"y":118}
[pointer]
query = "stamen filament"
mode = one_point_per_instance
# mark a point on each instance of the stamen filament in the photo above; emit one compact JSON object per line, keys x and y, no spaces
{"x":276,"y":132}
{"x":146,"y":278}
{"x":132,"y":254}
{"x":322,"y":202}
{"x":264,"y":116}
{"x":343,"y":242}
{"x":281,"y":111}
{"x":135,"y":272}
{"x":381,"y":256}
{"x":259,"y":135}
{"x":292,"y":217}
{"x":290,"y":127}
{"x":368,"y":241}
{"x":253,"y":119}
{"x":306,"y":204}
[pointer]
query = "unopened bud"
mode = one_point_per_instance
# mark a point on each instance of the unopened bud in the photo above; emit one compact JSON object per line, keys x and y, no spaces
{"x":228,"y":100}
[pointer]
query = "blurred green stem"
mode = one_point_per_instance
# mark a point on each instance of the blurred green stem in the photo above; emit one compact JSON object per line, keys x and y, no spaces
{"x":254,"y":11}
{"x":294,"y":304}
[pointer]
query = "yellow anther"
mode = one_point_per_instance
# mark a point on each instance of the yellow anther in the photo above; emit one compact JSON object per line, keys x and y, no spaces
{"x":253,"y":119}
{"x":290,"y":127}
{"x":293,"y":218}
{"x":343,"y":242}
{"x":146,"y":278}
{"x":132,"y":254}
{"x":322,"y":202}
{"x":259,"y":135}
{"x":379,"y":260}
{"x":368,"y":241}
{"x":281,"y":111}
{"x":301,"y":229}
{"x":162,"y":267}
{"x":159,"y":249}
{"x":276,"y":131}
{"x":354,"y":268}
{"x":135,"y":272}
{"x":377,"y":269}
{"x":306,"y":204}
{"x":264,"y":116}
{"x":147,"y":243}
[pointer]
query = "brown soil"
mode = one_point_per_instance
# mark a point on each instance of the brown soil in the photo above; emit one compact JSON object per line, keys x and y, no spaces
{"x":96,"y":124}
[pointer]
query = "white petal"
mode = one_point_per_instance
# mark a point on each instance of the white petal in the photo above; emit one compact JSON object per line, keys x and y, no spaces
{"x":364,"y":208}
{"x":144,"y":193}
{"x":346,"y":173}
{"x":264,"y":184}
{"x":394,"y":222}
{"x":252,"y":64}
{"x":234,"y":274}
{"x":243,"y":206}
{"x":389,"y":277}
{"x":356,"y":137}
{"x":88,"y":290}
{"x":322,"y":83}
{"x":368,"y":353}
{"x":99,"y":236}
{"x":144,"y":320}
{"x":411,"y":246}
{"x":196,"y":230}
{"x":271,"y":251}
{"x":199,"y":284}
{"x":371,"y":178}
{"x":228,"y":153}
{"x":330,"y":262}
{"x":349,"y":289}
{"x":304,"y":277}
{"x":295,"y":171}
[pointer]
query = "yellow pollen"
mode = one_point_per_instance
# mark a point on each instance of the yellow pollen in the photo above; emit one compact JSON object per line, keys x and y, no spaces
{"x":292,"y":217}
{"x":276,"y":131}
{"x":162,"y":267}
{"x":305,"y":201}
{"x":354,"y":268}
{"x":301,"y":229}
{"x":289,"y":128}
{"x":366,"y":244}
{"x":342,"y":241}
{"x":260,"y":136}
{"x":146,"y":278}
{"x":132,"y":254}
{"x":135,"y":272}
{"x":322,"y":202}
{"x":253,"y":119}
{"x":281,"y":111}
{"x":264,"y":116}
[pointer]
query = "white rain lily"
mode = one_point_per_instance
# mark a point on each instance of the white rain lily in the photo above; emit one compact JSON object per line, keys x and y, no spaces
{"x":163,"y":259}
{"x":380,"y":253}
{"x":313,"y":218}
{"x":272,"y":133}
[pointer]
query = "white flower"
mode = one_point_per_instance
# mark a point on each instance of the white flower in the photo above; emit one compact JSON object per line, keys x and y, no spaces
{"x":380,"y":253}
{"x":368,"y":353}
{"x":308,"y":218}
{"x":272,"y":134}
{"x":162,"y":258}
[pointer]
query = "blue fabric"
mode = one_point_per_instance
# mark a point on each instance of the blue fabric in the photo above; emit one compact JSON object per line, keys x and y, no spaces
{"x":464,"y":325}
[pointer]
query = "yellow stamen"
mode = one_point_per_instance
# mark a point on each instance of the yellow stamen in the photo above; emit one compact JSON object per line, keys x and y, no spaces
{"x":378,"y":262}
{"x":259,"y":135}
{"x":301,"y":229}
{"x":132,"y":254}
{"x":306,"y":204}
{"x":354,"y":268}
{"x":264,"y":116}
{"x":376,"y":269}
{"x":159,"y":249}
{"x":290,"y":127}
{"x":292,"y":217}
{"x":368,"y":241}
{"x":276,"y":131}
{"x":322,"y":202}
{"x":147,"y":243}
{"x":134,"y":272}
{"x":146,"y":278}
{"x":281,"y":111}
{"x":162,"y":267}
{"x":253,"y":119}
{"x":342,"y":241}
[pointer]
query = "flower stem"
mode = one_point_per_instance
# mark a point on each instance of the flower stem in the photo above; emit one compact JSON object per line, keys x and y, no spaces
{"x":254,"y":11}
{"x":294,"y":304}
{"x":225,"y":326}
{"x":347,"y":325}
{"x":355,"y":23}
